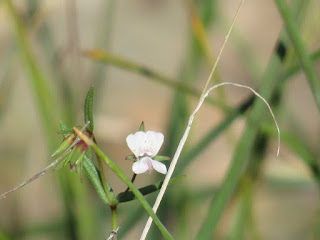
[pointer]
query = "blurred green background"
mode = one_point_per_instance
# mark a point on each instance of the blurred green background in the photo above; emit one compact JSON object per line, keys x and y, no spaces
{"x":156,"y":56}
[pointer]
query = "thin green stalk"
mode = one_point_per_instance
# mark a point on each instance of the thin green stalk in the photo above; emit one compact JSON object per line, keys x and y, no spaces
{"x":103,"y":36}
{"x":315,"y":56}
{"x":117,"y":61}
{"x":127,"y":181}
{"x":300,"y":49}
{"x":299,"y":11}
{"x":62,"y":77}
{"x":114,"y":217}
{"x":199,"y":33}
{"x":6,"y":81}
{"x":240,"y":226}
{"x":135,"y":68}
{"x":43,"y":92}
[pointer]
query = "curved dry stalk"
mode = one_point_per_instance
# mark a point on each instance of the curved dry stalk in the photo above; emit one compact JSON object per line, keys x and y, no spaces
{"x":44,"y":171}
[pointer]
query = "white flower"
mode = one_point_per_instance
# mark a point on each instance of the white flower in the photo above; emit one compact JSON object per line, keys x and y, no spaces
{"x":145,"y":146}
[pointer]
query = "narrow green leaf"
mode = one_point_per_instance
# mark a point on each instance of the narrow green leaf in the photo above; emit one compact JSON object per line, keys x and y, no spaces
{"x":88,"y":109}
{"x":94,"y":176}
{"x":300,"y":49}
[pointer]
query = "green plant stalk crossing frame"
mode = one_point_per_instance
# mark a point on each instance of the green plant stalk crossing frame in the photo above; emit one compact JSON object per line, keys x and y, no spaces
{"x":105,"y":57}
{"x":300,"y":49}
{"x":44,"y":96}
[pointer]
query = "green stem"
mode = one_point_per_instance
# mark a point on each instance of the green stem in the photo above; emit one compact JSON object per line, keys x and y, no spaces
{"x":43,"y":93}
{"x":300,"y":49}
{"x":114,"y":217}
{"x":105,"y":57}
{"x":315,"y":56}
{"x":238,"y":230}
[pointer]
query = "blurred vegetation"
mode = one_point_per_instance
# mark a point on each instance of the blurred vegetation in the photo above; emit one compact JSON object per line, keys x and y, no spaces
{"x":259,"y":196}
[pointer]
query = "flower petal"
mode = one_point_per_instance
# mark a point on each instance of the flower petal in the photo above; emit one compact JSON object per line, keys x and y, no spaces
{"x":154,"y":141}
{"x":140,"y":166}
{"x":158,"y":166}
{"x":136,"y":143}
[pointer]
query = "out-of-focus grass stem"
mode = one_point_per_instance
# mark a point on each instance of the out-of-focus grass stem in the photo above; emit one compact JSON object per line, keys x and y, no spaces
{"x":43,"y":93}
{"x":103,"y":36}
{"x":300,"y":49}
{"x":117,"y":61}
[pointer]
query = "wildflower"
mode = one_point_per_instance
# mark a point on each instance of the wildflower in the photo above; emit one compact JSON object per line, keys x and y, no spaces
{"x":145,"y":146}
